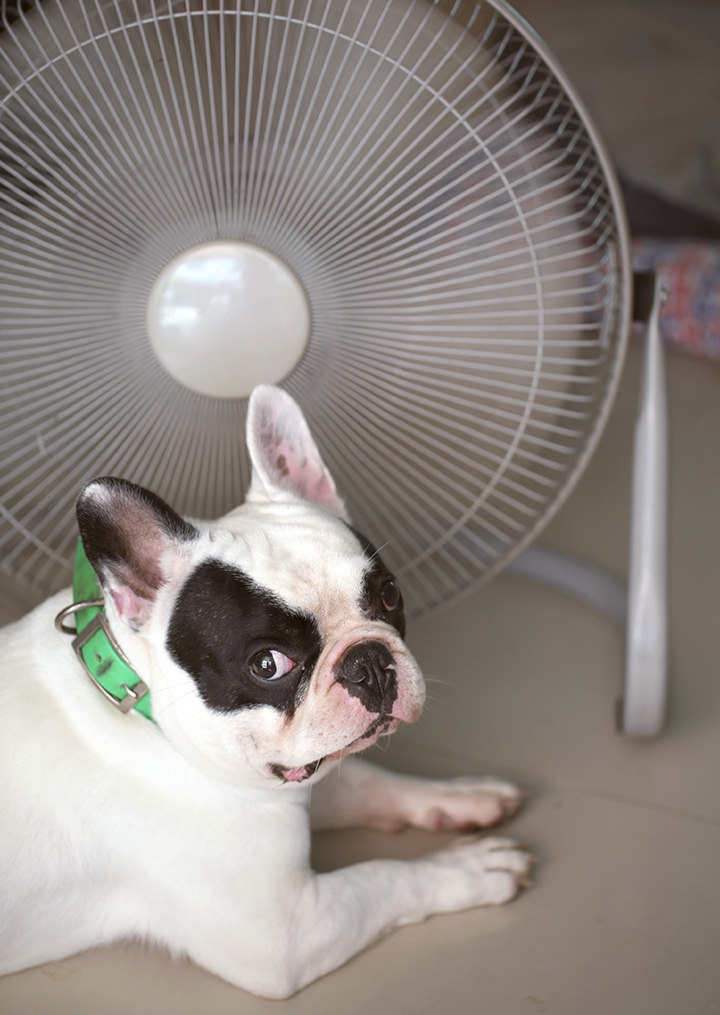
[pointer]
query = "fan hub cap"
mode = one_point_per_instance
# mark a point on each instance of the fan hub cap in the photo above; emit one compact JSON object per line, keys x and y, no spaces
{"x":225,"y":316}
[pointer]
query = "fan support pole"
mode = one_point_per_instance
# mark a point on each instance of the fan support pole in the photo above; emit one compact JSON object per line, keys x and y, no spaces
{"x":642,"y":709}
{"x":641,"y":607}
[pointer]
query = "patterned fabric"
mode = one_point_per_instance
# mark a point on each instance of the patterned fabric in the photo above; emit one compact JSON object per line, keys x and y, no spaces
{"x":690,"y":320}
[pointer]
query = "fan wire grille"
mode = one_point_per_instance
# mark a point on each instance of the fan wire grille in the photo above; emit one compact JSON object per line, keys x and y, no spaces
{"x":427,"y":174}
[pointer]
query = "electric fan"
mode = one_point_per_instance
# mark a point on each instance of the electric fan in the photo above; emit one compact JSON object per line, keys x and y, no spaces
{"x":399,"y":211}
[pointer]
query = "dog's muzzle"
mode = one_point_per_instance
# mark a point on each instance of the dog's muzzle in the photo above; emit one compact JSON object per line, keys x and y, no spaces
{"x":367,"y":670}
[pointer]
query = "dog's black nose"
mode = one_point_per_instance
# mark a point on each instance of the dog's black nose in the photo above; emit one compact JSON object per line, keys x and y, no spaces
{"x":367,"y":670}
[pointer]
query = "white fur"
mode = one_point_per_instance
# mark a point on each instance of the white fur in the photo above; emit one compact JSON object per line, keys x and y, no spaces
{"x":113,"y":826}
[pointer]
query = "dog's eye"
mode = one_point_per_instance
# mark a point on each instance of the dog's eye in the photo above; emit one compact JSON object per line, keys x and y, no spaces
{"x":269,"y":664}
{"x":390,"y":596}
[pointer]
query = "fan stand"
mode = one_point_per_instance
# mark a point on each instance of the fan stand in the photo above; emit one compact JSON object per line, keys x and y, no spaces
{"x":641,"y":605}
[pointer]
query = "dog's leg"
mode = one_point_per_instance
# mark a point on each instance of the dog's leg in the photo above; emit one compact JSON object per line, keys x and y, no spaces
{"x":314,"y":923}
{"x":359,"y":793}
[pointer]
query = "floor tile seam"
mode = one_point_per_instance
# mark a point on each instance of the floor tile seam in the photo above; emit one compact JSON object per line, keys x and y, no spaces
{"x":647,"y":805}
{"x":540,"y":786}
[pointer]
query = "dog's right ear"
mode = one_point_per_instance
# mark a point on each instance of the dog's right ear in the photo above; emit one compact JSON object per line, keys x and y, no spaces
{"x":134,"y":543}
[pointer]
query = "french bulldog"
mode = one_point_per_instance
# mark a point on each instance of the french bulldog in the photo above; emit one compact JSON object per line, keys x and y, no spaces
{"x":270,"y":643}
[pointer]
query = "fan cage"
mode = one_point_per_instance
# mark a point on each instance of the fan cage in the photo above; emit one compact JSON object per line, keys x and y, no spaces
{"x":428,"y":174}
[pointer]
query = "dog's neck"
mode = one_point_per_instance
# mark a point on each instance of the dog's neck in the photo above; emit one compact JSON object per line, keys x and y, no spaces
{"x":95,"y":646}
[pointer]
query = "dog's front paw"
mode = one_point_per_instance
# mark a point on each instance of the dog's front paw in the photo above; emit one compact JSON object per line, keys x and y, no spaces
{"x":466,"y":804}
{"x":485,"y":871}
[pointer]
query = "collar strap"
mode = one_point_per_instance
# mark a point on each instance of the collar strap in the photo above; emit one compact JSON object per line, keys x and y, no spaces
{"x":102,"y":658}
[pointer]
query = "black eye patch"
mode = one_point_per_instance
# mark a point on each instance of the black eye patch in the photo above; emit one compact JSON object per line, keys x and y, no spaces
{"x":380,"y":598}
{"x":220,"y":623}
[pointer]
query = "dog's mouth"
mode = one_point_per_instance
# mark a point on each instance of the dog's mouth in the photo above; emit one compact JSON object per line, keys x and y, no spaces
{"x":384,"y":725}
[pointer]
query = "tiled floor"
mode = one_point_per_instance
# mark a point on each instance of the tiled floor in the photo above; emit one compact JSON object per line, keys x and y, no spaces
{"x":625,"y":913}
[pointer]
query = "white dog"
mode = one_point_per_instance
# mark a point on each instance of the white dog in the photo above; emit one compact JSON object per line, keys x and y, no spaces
{"x":156,"y":770}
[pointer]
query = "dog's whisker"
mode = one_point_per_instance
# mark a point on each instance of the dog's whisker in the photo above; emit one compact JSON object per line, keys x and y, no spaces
{"x":180,"y":683}
{"x":175,"y":701}
{"x":379,"y":551}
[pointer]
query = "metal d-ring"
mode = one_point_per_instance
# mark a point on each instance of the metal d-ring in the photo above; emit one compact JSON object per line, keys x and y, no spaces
{"x":74,"y":608}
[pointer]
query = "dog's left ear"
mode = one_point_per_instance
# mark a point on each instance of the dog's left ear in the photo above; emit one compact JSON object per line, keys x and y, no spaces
{"x":284,"y":456}
{"x":134,"y":542}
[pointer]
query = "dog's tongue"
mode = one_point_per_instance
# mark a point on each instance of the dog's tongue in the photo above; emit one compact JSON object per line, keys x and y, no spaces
{"x":379,"y":726}
{"x":297,"y":774}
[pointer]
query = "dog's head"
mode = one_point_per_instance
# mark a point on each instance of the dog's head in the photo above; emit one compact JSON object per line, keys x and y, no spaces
{"x":272,"y":639}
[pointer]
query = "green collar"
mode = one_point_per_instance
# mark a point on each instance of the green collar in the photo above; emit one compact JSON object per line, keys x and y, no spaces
{"x":102,"y":658}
